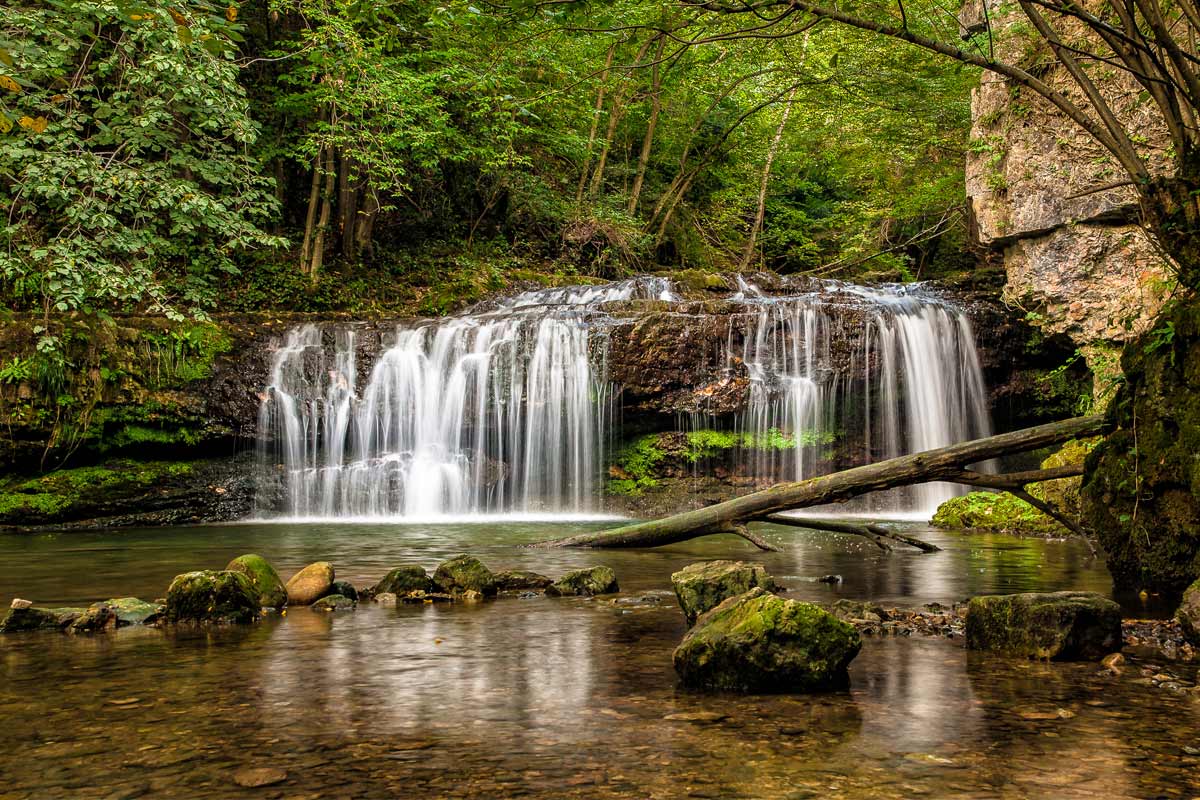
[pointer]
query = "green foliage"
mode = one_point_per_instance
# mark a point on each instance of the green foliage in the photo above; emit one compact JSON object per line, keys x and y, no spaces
{"x":44,"y":498}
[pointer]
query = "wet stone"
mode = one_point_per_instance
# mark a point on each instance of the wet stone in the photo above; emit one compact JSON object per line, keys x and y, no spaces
{"x":404,"y":579}
{"x":463,"y":573}
{"x":310,"y":584}
{"x":703,"y":586}
{"x":334,"y":602}
{"x":1064,"y":626}
{"x":585,"y":582}
{"x":255,"y":777}
{"x":263,"y":577}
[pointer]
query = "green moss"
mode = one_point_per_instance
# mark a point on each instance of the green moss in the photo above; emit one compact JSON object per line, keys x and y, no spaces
{"x":996,"y":511}
{"x":51,"y":496}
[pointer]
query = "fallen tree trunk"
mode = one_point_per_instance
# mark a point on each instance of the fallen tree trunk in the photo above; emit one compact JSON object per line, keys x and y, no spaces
{"x":869,"y":530}
{"x":944,"y":464}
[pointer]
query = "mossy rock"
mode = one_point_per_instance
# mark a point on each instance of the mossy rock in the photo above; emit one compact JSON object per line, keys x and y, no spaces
{"x":212,"y":596}
{"x":463,"y":573}
{"x":31,"y":618}
{"x":705,"y":585}
{"x":515,"y":580}
{"x":134,"y":611}
{"x":995,"y":511}
{"x":1062,"y":626}
{"x":585,"y":582}
{"x":404,"y":579}
{"x":310,"y":584}
{"x":83,"y":491}
{"x":94,"y":619}
{"x":847,"y":610}
{"x":266,"y":581}
{"x":758,"y":642}
{"x":1188,"y":614}
{"x":345,"y":589}
{"x":1063,"y":493}
{"x":334,"y":602}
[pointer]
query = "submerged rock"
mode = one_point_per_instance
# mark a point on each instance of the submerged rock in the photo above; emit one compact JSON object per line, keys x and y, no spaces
{"x":264,"y":578}
{"x":97,"y":617}
{"x":757,"y":642}
{"x":212,"y":596}
{"x":586,"y":582}
{"x":1188,"y":614}
{"x":333,"y":602}
{"x":703,"y":586}
{"x":31,"y":618}
{"x":463,"y":573}
{"x":385,"y":598}
{"x":847,"y":610}
{"x":404,"y":579}
{"x":1065,"y":626}
{"x":310,"y":584}
{"x":345,"y":589}
{"x":134,"y":611}
{"x":516,"y":580}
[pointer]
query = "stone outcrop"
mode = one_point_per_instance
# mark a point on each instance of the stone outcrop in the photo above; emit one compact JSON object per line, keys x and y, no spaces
{"x":704,"y":586}
{"x":1075,"y":257}
{"x":1061,"y":626}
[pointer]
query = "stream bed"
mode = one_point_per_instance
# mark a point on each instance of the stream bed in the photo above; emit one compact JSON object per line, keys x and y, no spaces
{"x":555,"y":698}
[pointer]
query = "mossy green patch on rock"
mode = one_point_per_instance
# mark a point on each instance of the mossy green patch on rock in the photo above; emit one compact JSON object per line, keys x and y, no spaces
{"x":263,"y":577}
{"x":74,"y":492}
{"x":134,"y":611}
{"x":1064,"y":626}
{"x":996,"y":511}
{"x":585,"y":582}
{"x":704,"y":586}
{"x":404,"y":579}
{"x":212,"y":596}
{"x":465,"y":573}
{"x":757,"y":642}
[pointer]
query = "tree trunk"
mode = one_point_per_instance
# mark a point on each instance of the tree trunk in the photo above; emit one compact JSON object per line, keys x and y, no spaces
{"x":946,"y":463}
{"x":1171,"y":211}
{"x":596,"y":112}
{"x":318,"y":246}
{"x":347,"y":207}
{"x":310,"y":219}
{"x":364,"y":223}
{"x":648,"y":141}
{"x":761,"y":212}
{"x":614,"y":119}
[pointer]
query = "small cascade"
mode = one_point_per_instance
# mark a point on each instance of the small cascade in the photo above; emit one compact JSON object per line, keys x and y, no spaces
{"x":913,"y":383}
{"x":503,"y":410}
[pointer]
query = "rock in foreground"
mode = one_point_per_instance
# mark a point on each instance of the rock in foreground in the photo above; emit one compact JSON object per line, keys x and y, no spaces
{"x":1064,"y":626}
{"x":266,"y":581}
{"x":212,"y":596}
{"x":465,"y":573}
{"x":585,"y":582}
{"x":704,"y":586}
{"x":757,"y":642}
{"x":310,"y":584}
{"x":1188,"y":614}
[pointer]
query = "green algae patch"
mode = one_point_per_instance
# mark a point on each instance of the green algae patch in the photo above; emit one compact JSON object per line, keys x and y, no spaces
{"x":585,"y":583}
{"x":74,"y":493}
{"x":757,"y":642}
{"x":996,"y":511}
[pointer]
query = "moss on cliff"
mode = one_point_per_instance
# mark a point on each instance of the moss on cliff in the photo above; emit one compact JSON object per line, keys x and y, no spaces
{"x":62,"y":494}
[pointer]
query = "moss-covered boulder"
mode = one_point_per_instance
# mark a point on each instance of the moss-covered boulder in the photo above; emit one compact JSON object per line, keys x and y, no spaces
{"x":585,"y":582}
{"x":700,"y":587}
{"x":134,"y":611}
{"x":345,"y":589}
{"x":1064,"y":626}
{"x":211,"y":596}
{"x":31,"y":618}
{"x":463,"y":573}
{"x":1141,"y":492}
{"x":996,"y":511}
{"x":94,"y":619}
{"x":758,"y":642}
{"x":310,"y":584}
{"x":516,"y":580}
{"x":264,"y":578}
{"x":334,"y":602}
{"x":1188,"y":614}
{"x":404,"y":579}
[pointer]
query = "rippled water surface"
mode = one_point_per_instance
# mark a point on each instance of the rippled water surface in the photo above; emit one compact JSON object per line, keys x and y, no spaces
{"x":553,"y":698}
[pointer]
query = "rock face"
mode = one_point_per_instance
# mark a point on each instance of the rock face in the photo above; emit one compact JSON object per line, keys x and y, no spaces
{"x":1188,"y":614}
{"x":585,"y":582}
{"x":465,"y":573}
{"x":310,"y":584}
{"x":404,"y":579}
{"x":1075,"y":257}
{"x":703,"y":586}
{"x":1063,"y":626}
{"x":212,"y":596}
{"x":263,"y":577}
{"x":757,"y":642}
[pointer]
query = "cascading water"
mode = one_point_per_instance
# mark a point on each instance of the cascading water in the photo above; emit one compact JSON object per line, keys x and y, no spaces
{"x":507,"y":409}
{"x":914,"y":383}
{"x":499,"y":411}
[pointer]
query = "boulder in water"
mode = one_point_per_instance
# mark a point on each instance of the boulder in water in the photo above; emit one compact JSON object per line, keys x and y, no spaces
{"x":1064,"y":626}
{"x":758,"y":642}
{"x":345,"y":589}
{"x":585,"y":582}
{"x":133,"y":611}
{"x":1188,"y":614}
{"x":463,"y":573}
{"x":334,"y":602}
{"x":404,"y":579}
{"x":95,"y":618}
{"x":703,"y":586}
{"x":847,"y":610}
{"x":310,"y":584}
{"x":212,"y":596}
{"x":31,"y":618}
{"x":263,"y":577}
{"x":516,"y":580}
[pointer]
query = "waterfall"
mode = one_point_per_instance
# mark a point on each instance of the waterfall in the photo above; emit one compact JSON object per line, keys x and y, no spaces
{"x":500,"y":410}
{"x":507,"y":408}
{"x":913,"y":383}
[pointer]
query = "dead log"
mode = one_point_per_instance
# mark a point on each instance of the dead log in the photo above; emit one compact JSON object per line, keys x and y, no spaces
{"x":943,"y":464}
{"x":870,"y":530}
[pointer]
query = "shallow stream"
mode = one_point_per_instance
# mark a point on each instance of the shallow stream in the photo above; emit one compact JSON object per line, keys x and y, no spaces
{"x":554,"y":698}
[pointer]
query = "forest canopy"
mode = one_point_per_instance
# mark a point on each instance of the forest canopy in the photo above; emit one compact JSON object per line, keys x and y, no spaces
{"x":192,"y":157}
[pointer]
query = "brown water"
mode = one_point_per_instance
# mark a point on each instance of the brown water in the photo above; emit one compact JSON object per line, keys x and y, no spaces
{"x":552,"y":698}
